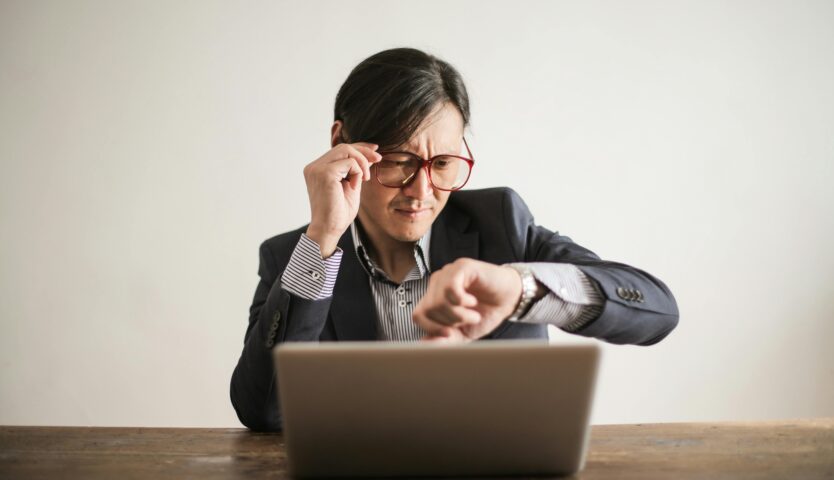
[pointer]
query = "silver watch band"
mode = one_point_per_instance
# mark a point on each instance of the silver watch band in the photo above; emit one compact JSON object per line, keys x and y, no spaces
{"x":528,"y":289}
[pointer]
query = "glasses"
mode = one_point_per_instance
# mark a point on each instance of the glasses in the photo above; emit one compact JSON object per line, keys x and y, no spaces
{"x":446,"y":172}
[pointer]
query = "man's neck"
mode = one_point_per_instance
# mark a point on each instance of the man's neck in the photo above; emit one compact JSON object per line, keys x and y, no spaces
{"x":394,"y":257}
{"x":396,"y":263}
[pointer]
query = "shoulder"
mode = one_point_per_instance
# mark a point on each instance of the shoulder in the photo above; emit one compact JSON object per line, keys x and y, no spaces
{"x":499,"y":215}
{"x":502,"y":204}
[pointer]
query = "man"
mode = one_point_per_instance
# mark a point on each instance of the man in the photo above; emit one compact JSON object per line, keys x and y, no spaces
{"x":394,"y":251}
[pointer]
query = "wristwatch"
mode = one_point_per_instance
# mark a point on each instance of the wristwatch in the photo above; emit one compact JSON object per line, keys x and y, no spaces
{"x":528,"y":290}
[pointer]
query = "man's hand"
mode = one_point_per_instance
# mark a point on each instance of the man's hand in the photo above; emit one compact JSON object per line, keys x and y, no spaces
{"x":334,"y":182}
{"x":466,"y":300}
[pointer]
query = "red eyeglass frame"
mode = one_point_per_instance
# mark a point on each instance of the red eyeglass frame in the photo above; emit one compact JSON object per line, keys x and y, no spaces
{"x":427,"y":165}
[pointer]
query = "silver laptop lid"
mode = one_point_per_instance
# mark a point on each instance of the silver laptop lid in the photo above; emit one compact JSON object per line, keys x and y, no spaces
{"x":390,"y":409}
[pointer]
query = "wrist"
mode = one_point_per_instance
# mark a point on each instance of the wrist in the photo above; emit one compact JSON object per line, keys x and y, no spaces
{"x":327,"y":243}
{"x":516,"y":287}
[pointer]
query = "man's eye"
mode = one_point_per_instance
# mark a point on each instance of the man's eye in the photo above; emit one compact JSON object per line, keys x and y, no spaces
{"x":384,"y":163}
{"x":396,"y":159}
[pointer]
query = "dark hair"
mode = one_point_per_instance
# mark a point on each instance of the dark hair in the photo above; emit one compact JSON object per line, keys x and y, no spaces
{"x":387,"y":96}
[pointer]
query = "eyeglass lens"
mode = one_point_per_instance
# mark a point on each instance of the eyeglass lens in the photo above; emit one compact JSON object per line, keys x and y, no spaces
{"x":446,"y":172}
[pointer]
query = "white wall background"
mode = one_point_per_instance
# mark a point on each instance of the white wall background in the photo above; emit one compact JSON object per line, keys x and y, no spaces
{"x":148,"y":148}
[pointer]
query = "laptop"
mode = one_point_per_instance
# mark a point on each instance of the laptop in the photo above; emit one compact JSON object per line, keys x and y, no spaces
{"x":499,"y":407}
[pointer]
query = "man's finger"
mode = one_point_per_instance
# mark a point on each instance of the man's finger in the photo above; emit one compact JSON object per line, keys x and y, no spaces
{"x":346,"y":152}
{"x":370,"y":153}
{"x":460,"y":314}
{"x":453,"y":315}
{"x":372,"y":146}
{"x":346,"y":168}
{"x":455,"y":292}
{"x":437,"y":339}
{"x":454,"y":336}
{"x":370,"y":157}
{"x":429,"y":326}
{"x":460,"y":297}
{"x":362,"y":159}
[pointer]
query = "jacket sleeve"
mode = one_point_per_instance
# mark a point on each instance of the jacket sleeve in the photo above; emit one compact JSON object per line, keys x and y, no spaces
{"x":638,"y":308}
{"x":276,"y":316}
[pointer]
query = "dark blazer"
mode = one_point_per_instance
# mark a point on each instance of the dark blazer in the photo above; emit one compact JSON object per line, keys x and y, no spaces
{"x":492,"y":225}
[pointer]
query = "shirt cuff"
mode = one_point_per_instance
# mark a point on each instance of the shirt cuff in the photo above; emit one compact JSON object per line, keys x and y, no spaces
{"x":572,"y":301}
{"x":307,"y":274}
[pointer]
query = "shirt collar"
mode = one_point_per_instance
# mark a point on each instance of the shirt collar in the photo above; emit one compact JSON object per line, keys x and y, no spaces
{"x":421,"y":253}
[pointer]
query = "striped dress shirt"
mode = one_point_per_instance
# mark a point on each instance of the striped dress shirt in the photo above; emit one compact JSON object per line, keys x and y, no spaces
{"x":572,"y":299}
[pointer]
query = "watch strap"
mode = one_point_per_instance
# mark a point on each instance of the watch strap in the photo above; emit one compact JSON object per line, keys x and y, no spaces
{"x":528,"y":290}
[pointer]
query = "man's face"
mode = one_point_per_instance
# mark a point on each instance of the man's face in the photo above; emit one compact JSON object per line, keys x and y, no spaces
{"x":405,"y":214}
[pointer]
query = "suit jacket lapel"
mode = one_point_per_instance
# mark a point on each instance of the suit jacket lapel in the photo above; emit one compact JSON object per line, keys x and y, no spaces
{"x":450,"y":240}
{"x":352,"y":311}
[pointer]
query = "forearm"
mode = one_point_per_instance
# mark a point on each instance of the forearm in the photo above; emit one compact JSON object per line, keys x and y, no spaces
{"x":639,"y":309}
{"x":566,"y":297}
{"x":254,"y":388}
{"x":609,"y":301}
{"x":280,"y":313}
{"x":252,"y":382}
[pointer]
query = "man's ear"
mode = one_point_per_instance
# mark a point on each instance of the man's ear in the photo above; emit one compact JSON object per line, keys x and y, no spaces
{"x":336,"y":133}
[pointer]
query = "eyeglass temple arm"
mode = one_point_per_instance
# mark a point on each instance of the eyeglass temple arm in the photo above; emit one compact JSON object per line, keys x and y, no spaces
{"x":467,"y":149}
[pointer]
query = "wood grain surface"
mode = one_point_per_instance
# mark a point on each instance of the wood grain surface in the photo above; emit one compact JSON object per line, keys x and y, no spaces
{"x":799,"y":449}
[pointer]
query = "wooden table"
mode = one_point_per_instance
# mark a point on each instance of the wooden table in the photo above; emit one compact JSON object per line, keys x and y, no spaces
{"x":801,"y":449}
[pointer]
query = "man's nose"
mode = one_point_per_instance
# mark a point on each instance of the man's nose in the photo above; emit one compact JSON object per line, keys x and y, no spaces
{"x":421,"y":186}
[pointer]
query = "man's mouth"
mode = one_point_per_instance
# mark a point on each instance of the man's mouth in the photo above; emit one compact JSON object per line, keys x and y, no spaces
{"x":412,"y":212}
